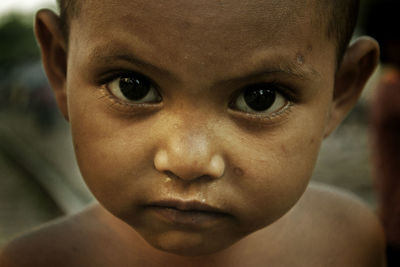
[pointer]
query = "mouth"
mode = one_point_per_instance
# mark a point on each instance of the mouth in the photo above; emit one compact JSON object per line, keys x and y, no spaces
{"x":191,"y":213}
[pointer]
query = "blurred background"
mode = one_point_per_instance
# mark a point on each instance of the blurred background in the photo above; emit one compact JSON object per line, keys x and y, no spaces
{"x":39,"y":179}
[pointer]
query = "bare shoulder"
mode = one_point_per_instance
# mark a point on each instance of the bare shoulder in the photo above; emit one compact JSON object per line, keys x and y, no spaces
{"x":341,"y":223}
{"x":60,"y":243}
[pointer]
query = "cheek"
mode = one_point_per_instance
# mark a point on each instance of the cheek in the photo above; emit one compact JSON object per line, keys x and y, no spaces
{"x":108,"y":167}
{"x":111,"y":154}
{"x":273,"y":172}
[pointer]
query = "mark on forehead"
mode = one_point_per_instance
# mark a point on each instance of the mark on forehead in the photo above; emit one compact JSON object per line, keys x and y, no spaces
{"x":239,"y":171}
{"x":300,"y":59}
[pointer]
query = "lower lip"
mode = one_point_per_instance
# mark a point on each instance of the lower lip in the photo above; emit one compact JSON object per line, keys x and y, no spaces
{"x":193,"y":218}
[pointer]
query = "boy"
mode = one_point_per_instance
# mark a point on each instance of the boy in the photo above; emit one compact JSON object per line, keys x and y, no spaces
{"x":196,"y":125}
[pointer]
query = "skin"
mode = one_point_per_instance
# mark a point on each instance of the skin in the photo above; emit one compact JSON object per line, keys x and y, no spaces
{"x":194,"y":145}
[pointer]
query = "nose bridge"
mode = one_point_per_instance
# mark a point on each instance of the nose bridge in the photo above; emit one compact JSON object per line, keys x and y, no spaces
{"x":188,"y":149}
{"x":190,"y":145}
{"x":189,"y":131}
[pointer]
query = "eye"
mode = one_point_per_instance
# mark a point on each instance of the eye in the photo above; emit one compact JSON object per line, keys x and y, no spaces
{"x":264,"y":98}
{"x":134,"y":88}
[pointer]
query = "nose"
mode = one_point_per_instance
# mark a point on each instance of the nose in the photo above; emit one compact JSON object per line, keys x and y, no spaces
{"x":189,"y":157}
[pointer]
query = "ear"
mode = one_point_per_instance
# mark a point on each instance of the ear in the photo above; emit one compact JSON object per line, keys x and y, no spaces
{"x":53,"y":46}
{"x":359,"y":62}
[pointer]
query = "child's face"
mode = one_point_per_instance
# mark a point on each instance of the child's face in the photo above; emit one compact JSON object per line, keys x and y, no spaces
{"x":192,"y":134}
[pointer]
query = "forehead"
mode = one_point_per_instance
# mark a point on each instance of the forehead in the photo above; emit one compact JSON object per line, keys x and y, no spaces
{"x":209,"y":31}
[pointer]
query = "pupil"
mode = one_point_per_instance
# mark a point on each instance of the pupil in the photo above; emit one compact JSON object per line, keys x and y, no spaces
{"x":259,"y":99}
{"x":134,"y":88}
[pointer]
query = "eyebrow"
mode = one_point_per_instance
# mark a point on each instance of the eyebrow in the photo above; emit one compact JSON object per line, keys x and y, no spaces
{"x":286,"y":68}
{"x":107,"y":55}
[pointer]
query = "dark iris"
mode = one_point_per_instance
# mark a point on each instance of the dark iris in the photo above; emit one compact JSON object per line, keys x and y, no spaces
{"x":259,"y":97}
{"x":134,"y":87}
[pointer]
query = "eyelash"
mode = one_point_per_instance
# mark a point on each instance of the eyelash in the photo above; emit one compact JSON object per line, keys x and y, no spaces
{"x":257,"y":118}
{"x":285,"y":91}
{"x":129,"y":108}
{"x":118,"y":104}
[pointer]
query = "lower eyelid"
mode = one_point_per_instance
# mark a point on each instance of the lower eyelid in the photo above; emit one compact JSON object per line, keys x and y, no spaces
{"x":123,"y":106}
{"x":270,"y":118}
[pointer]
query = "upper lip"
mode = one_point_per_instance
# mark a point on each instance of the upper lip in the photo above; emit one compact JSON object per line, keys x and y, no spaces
{"x":186,"y":205}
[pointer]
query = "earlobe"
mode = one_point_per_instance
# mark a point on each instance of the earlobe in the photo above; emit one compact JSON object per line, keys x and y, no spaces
{"x":359,"y":62}
{"x":54,"y":54}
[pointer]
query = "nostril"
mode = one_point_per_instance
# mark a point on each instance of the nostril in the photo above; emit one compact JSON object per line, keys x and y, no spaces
{"x":184,"y":167}
{"x":171,"y":175}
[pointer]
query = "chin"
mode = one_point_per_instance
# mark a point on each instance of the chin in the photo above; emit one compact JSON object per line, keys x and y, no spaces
{"x":189,"y":244}
{"x":188,"y":250}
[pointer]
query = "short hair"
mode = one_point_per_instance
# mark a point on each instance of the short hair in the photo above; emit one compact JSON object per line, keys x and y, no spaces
{"x":68,"y":9}
{"x":340,"y":17}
